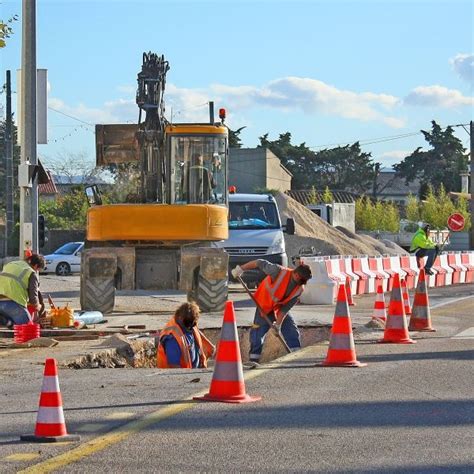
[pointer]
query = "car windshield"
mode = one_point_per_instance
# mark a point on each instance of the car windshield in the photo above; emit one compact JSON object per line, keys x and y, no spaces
{"x":67,"y":249}
{"x":253,"y":215}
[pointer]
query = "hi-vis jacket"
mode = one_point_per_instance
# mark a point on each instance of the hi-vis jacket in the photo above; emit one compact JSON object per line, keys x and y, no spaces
{"x":270,"y":295}
{"x":205,"y":347}
{"x":14,"y":281}
{"x":421,"y":241}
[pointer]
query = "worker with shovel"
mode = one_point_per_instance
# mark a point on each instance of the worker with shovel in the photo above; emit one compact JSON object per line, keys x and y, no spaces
{"x":275,"y":296}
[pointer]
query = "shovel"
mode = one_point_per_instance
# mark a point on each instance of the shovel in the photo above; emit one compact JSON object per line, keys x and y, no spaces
{"x":264,"y":316}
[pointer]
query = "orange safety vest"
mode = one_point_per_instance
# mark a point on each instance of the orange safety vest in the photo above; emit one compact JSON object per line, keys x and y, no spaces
{"x":205,"y":347}
{"x":270,"y":294}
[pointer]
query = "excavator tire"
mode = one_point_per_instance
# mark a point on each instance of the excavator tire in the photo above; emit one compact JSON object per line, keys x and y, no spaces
{"x":97,"y":294}
{"x":210,"y":295}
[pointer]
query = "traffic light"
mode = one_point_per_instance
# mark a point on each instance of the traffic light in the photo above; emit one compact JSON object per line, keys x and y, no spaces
{"x":42,"y":239}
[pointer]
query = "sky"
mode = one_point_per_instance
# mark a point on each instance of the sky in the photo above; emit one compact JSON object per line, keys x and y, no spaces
{"x":329,"y":72}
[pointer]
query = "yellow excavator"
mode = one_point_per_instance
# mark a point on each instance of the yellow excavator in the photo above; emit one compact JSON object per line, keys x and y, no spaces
{"x":162,"y":239}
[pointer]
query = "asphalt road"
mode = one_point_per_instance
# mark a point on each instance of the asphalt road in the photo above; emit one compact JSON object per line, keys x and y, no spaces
{"x":410,"y":410}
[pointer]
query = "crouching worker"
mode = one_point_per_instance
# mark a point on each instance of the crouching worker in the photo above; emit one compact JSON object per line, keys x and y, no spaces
{"x":423,"y":247}
{"x":181,"y":344}
{"x":19,"y":288}
{"x":276,"y":295}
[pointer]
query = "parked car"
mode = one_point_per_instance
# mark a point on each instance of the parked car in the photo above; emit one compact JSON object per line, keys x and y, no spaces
{"x":65,"y":260}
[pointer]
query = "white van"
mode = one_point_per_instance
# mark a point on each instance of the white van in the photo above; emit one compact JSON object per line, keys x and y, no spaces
{"x":255,"y":231}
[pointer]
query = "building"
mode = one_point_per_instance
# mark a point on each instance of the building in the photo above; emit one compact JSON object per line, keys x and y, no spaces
{"x":254,"y":169}
{"x":390,"y":187}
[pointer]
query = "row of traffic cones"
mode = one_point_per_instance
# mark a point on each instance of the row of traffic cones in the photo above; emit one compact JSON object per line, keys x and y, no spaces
{"x":227,"y":384}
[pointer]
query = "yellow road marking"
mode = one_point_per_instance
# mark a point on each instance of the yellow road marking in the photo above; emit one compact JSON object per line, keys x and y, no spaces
{"x":123,"y":432}
{"x":21,"y":457}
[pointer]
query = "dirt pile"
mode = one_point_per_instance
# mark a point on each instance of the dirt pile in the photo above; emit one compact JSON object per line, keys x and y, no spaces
{"x":311,"y":232}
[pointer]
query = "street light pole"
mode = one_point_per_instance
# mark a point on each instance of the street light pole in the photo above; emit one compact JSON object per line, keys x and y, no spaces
{"x":471,"y":187}
{"x":28,"y":192}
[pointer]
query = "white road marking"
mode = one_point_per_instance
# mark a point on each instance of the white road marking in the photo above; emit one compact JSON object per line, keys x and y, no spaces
{"x":450,"y":301}
{"x":467,"y":334}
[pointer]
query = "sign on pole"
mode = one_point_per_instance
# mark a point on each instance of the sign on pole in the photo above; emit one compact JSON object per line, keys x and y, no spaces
{"x":456,"y":222}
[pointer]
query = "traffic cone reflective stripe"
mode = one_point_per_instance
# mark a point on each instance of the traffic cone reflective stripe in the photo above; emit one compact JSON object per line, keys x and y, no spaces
{"x":350,"y":301}
{"x":421,"y":318}
{"x":227,"y":384}
{"x":380,"y":311}
{"x":50,"y":424}
{"x":341,"y":351}
{"x":406,"y":297}
{"x":396,"y":329}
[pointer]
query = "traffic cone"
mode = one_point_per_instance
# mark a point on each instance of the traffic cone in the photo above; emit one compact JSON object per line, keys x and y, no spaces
{"x":380,"y":311}
{"x":50,"y":425}
{"x":406,"y":297}
{"x":421,"y":318}
{"x":227,"y":384}
{"x":341,"y":352}
{"x":396,"y":329}
{"x":350,"y":301}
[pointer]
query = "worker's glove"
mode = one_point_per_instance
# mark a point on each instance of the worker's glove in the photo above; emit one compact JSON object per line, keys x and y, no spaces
{"x":237,"y":272}
{"x":277,"y":328}
{"x":438,"y":248}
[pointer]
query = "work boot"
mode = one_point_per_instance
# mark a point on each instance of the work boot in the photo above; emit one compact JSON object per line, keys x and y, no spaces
{"x":251,"y":364}
{"x":428,"y":271}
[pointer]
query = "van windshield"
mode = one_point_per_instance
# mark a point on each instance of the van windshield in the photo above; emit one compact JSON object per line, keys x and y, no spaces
{"x":253,"y":215}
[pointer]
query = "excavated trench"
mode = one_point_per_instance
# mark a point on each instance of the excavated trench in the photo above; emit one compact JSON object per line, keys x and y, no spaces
{"x":118,"y":351}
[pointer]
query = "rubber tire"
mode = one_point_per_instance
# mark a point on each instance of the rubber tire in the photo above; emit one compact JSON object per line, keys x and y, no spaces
{"x":210,"y":295}
{"x":65,"y":266}
{"x":98,"y":294}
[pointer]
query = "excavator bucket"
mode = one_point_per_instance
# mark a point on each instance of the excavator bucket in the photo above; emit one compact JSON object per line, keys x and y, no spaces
{"x":116,"y":144}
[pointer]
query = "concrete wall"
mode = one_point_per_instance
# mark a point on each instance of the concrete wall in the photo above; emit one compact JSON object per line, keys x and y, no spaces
{"x":251,"y":169}
{"x":343,"y":215}
{"x":56,"y":238}
{"x":458,"y":241}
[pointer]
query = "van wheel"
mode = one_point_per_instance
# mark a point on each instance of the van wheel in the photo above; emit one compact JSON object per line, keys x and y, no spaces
{"x":210,"y":295}
{"x":63,"y":269}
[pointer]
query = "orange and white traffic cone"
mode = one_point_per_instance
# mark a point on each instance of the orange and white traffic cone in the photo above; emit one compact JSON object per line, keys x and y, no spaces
{"x":50,"y":425}
{"x":421,"y":318}
{"x":227,"y":384}
{"x":406,"y":297}
{"x":350,"y":301}
{"x":380,"y":311}
{"x":341,"y":352}
{"x":396,"y":329}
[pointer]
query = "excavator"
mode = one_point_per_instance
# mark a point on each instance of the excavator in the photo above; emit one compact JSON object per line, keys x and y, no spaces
{"x":162,"y":237}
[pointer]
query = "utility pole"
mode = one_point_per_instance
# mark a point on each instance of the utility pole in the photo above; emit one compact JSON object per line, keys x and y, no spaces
{"x":9,"y":166}
{"x":471,"y":186}
{"x":28,"y":188}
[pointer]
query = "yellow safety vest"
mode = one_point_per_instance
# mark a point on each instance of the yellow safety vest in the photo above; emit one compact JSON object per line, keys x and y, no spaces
{"x":14,"y":281}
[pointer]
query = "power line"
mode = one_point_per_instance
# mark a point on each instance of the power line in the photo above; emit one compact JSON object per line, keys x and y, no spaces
{"x":71,"y":116}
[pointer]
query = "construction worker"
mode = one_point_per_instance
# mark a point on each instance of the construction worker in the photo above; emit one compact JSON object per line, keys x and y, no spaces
{"x":181,"y":344}
{"x":423,"y":246}
{"x":276,"y":295}
{"x":19,"y":289}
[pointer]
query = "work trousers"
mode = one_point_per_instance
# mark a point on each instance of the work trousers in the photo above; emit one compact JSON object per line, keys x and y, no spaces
{"x":259,"y":329}
{"x":430,"y":253}
{"x":12,"y":312}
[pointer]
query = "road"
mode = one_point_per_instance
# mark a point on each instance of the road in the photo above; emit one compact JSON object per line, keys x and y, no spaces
{"x":410,"y":410}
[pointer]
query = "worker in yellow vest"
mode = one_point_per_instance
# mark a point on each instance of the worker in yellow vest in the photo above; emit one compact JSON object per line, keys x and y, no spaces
{"x":181,"y":344}
{"x":19,"y":288}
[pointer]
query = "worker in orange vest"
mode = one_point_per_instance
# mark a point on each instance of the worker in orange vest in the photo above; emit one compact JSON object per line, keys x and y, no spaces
{"x":276,"y":295}
{"x":181,"y":344}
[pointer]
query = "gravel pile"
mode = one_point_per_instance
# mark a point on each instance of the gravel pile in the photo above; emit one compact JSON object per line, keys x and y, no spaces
{"x":314,"y":235}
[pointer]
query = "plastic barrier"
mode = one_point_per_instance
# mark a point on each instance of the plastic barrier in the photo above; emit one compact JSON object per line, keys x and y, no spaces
{"x":379,"y":261}
{"x":320,"y":289}
{"x":381,"y":276}
{"x":387,"y":266}
{"x":334,"y":270}
{"x":372,"y":276}
{"x":410,"y":274}
{"x":396,"y":267}
{"x":346,"y":262}
{"x":414,"y":267}
{"x":440,"y":279}
{"x":467,"y":262}
{"x":443,"y":258}
{"x":362,"y":283}
{"x":458,"y":263}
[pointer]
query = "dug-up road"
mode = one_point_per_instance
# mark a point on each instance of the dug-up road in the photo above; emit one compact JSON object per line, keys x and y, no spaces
{"x":411,"y":409}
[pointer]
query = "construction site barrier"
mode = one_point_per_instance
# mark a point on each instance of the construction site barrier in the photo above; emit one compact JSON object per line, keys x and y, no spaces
{"x":365,"y":273}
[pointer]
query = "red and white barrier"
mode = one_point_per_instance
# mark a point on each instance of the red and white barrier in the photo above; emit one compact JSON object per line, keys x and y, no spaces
{"x":443,"y":259}
{"x":372,"y":276}
{"x":454,"y":260}
{"x":362,"y":283}
{"x":411,"y":274}
{"x":387,"y":266}
{"x":467,"y":259}
{"x":375,"y":264}
{"x":346,"y":263}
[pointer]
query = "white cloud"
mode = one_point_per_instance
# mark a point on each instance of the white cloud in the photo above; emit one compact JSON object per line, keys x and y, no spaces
{"x":463,"y":64}
{"x":437,"y":96}
{"x":396,"y":154}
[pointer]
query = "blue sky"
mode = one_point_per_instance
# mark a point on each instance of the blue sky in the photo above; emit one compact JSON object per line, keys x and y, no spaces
{"x":329,"y":72}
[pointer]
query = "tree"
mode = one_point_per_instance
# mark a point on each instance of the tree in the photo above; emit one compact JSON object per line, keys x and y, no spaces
{"x":66,"y":212}
{"x":74,"y":168}
{"x":328,"y":198}
{"x":344,"y":167}
{"x":234,"y":138}
{"x":6,"y":30}
{"x":442,"y":164}
{"x":412,"y":209}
